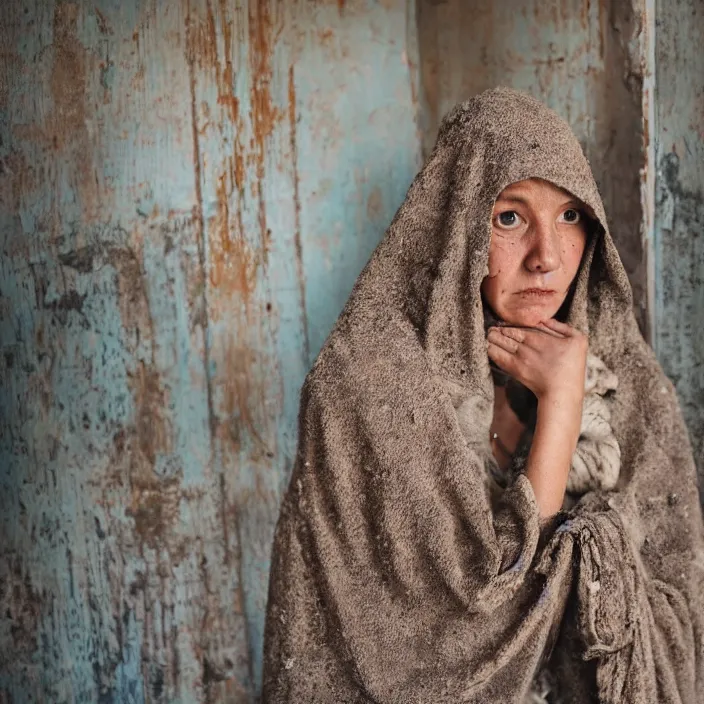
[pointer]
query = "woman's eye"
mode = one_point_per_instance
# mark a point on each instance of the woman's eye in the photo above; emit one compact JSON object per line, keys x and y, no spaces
{"x":572,"y":216}
{"x":508,"y":220}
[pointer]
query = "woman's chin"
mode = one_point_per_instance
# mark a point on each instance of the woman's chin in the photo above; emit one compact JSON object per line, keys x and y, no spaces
{"x":530,"y":316}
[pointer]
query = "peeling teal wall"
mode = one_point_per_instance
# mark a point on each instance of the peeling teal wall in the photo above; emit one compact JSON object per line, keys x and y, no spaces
{"x":188,"y":192}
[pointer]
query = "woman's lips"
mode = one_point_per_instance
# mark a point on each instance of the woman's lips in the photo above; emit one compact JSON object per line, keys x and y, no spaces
{"x":537,"y":292}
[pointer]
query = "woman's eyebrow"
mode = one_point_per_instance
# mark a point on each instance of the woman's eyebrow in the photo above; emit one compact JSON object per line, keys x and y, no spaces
{"x":512,"y":199}
{"x":575,"y":202}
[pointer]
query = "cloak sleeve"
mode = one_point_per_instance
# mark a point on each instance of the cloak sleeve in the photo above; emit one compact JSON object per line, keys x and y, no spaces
{"x":393,"y":579}
{"x":640,"y":569}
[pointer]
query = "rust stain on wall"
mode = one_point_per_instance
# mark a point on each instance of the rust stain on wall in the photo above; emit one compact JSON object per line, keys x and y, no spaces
{"x":10,"y":65}
{"x":242,"y":387}
{"x":103,"y":25}
{"x":66,"y":129}
{"x":226,"y":96}
{"x":18,"y":183}
{"x":21,"y":605}
{"x":153,"y":433}
{"x":221,"y":43}
{"x":298,"y":245}
{"x":265,"y":115}
{"x":234,"y":264}
{"x":68,"y":76}
{"x":226,"y":79}
{"x":155,"y":499}
{"x":374,"y":203}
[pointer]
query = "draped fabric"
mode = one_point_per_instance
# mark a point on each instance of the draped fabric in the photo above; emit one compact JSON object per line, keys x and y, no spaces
{"x":396,"y":575}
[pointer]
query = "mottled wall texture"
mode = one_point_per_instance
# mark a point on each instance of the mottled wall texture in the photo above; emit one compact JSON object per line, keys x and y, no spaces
{"x":678,"y":158}
{"x":188,"y":190}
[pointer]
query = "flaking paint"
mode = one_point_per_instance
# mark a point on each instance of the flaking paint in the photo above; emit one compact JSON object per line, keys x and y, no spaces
{"x":162,"y":298}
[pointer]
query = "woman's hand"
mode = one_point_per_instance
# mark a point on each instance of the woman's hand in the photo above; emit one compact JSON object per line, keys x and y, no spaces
{"x":549,"y":359}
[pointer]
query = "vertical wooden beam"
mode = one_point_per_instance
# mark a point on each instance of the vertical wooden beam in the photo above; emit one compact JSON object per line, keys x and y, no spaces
{"x":648,"y":170}
{"x":679,"y":206}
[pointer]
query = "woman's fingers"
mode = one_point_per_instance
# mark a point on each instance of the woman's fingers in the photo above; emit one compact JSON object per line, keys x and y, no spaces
{"x":557,"y":326}
{"x":500,"y":339}
{"x":505,"y":359}
{"x":544,"y":358}
{"x":548,"y":331}
{"x":511,"y":338}
{"x":517,"y":334}
{"x":530,"y":337}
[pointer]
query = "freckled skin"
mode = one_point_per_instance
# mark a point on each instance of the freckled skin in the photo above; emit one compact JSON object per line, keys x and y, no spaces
{"x":538,"y":237}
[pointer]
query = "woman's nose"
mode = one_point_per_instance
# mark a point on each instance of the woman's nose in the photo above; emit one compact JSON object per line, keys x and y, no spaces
{"x":544,"y":252}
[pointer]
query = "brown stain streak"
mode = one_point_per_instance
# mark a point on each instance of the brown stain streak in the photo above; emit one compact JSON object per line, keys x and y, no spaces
{"x":233,"y":273}
{"x":226,"y":96}
{"x":22,"y":607}
{"x":240,"y":362}
{"x":155,"y":500}
{"x":202,"y":41}
{"x":265,"y":115}
{"x":604,"y":9}
{"x":300,"y":274}
{"x":233,"y":264}
{"x":68,"y":74}
{"x":412,"y":65}
{"x":190,"y":60}
{"x":242,"y":597}
{"x":66,"y":129}
{"x":234,"y":269}
{"x":103,"y":25}
{"x":226,"y":82}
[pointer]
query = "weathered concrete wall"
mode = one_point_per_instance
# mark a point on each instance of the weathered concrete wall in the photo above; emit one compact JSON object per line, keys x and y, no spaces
{"x":188,"y":191}
{"x":679,"y":206}
{"x":584,"y":59}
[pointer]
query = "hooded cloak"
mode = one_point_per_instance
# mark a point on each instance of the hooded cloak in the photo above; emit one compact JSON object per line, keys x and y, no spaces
{"x":396,"y":575}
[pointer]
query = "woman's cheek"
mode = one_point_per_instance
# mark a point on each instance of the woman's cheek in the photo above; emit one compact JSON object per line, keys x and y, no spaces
{"x":572,"y":256}
{"x":494,"y":269}
{"x":497,"y":257}
{"x":503,"y":258}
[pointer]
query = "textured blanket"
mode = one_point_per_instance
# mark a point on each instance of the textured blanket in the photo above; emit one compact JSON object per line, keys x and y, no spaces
{"x":396,"y":575}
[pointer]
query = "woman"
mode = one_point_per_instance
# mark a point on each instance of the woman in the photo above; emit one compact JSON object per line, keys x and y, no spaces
{"x":419,"y":555}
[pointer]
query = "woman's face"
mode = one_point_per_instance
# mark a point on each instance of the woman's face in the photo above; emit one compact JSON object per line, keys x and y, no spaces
{"x":538,"y":234}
